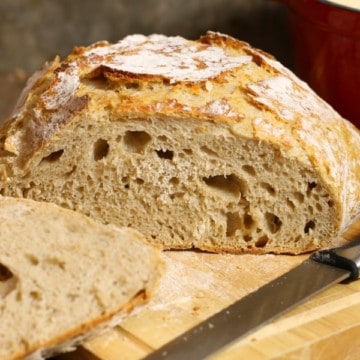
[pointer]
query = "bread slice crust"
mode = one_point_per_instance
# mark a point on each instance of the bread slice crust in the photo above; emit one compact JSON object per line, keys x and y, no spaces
{"x":70,"y":340}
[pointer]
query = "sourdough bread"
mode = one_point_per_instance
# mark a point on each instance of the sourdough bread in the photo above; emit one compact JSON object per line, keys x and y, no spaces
{"x":64,"y":277}
{"x":209,"y":144}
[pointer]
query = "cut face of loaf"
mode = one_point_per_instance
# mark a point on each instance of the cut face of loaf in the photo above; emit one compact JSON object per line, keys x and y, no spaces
{"x":209,"y":144}
{"x":64,"y":277}
{"x":183,"y":186}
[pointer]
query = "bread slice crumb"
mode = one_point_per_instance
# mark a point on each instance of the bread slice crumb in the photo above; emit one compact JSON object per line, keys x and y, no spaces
{"x":66,"y":277}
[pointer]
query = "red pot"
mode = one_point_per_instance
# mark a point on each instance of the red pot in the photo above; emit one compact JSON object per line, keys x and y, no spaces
{"x":326,"y":38}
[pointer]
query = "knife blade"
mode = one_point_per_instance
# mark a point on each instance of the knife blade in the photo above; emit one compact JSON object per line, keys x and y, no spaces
{"x":320,"y":271}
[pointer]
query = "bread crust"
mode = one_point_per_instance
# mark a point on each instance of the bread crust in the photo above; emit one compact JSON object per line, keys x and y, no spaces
{"x":223,"y":81}
{"x":85,"y":332}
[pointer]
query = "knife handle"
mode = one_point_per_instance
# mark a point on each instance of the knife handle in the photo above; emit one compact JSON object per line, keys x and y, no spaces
{"x":345,"y":257}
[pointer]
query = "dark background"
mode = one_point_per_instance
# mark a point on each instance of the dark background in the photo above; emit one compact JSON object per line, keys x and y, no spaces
{"x":33,"y":31}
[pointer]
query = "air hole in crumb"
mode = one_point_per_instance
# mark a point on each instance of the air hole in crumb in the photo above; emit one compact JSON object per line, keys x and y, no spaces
{"x":101,"y":149}
{"x":299,"y":197}
{"x":273,"y":222}
{"x":311,"y":185}
{"x":66,"y":205}
{"x":139,"y":181}
{"x":318,"y":188}
{"x":55,"y":262}
{"x":310,"y":225}
{"x":136,"y":141}
{"x":248,"y":221}
{"x":32,"y":259}
{"x":311,"y":190}
{"x":233,"y":223}
{"x":318,"y":207}
{"x":174,"y":181}
{"x":71,"y":296}
{"x":70,"y":172}
{"x":268,"y":188}
{"x":27,"y":175}
{"x":5,"y":273}
{"x":290,"y":204}
{"x":262,"y":241}
{"x":162,"y":138}
{"x":247,"y":238}
{"x":188,"y":151}
{"x":178,"y":194}
{"x":229,"y":185}
{"x":330,"y":203}
{"x":89,"y":179}
{"x":7,"y":281}
{"x":249,"y":169}
{"x":208,"y":151}
{"x":54,"y":156}
{"x":35,"y":295}
{"x":165,"y":154}
{"x":26,"y":190}
{"x":18,"y":296}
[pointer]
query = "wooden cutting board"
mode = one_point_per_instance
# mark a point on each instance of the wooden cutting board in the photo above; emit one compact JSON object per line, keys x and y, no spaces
{"x":196,"y":285}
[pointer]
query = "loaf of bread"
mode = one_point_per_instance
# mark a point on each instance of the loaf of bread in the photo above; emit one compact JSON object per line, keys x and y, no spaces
{"x":64,"y":277}
{"x":207,"y":144}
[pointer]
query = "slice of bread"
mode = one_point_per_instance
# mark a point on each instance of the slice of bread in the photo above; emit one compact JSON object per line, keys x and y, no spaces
{"x":64,"y":277}
{"x":209,"y":144}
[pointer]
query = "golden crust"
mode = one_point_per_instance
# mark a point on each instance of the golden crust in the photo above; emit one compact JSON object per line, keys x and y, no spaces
{"x":94,"y":324}
{"x":216,"y":78}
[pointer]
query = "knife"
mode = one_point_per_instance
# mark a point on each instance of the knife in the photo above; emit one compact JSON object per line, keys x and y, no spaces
{"x":320,"y":271}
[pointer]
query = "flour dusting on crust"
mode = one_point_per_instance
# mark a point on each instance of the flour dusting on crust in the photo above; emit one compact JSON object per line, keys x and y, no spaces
{"x":174,"y":58}
{"x":65,"y":85}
